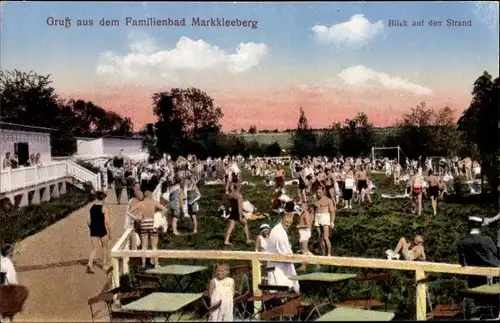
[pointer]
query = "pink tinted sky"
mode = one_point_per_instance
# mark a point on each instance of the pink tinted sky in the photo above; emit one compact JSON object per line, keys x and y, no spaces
{"x":333,"y":59}
{"x":280,"y":108}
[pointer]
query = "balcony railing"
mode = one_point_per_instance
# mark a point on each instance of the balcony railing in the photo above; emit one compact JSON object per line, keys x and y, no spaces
{"x":120,"y":251}
{"x":22,"y":177}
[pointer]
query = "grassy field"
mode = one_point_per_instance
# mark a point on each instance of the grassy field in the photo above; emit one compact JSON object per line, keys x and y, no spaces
{"x":364,"y":231}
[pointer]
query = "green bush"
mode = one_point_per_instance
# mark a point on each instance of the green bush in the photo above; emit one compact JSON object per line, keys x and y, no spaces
{"x":91,"y":167}
{"x":20,"y":224}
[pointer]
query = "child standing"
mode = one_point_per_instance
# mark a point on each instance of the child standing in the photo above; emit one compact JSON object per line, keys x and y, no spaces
{"x":221,"y":289}
{"x":304,"y":226}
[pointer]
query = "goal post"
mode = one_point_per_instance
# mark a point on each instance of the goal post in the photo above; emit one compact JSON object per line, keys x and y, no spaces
{"x":397,"y":148}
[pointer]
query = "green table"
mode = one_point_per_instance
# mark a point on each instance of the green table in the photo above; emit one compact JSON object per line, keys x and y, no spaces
{"x":324,"y":277}
{"x":162,"y":303}
{"x":353,"y":314}
{"x":178,"y":272}
{"x":493,"y":289}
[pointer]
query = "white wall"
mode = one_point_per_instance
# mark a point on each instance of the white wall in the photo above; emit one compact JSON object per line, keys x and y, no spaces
{"x":37,"y":143}
{"x":114,"y":145}
{"x":89,"y":147}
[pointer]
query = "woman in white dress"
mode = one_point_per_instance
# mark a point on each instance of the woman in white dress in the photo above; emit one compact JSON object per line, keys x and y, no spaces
{"x":221,"y":289}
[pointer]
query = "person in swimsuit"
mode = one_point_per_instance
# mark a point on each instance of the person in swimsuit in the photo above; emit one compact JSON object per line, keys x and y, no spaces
{"x":175,"y":201}
{"x":236,"y":215}
{"x":99,"y":224}
{"x":319,"y":181}
{"x":363,"y":189}
{"x":416,"y":184}
{"x":147,"y":208}
{"x":280,"y":177}
{"x":348,"y":189}
{"x":324,"y":220}
{"x":302,"y":184}
{"x":130,"y":217}
{"x":416,"y":253}
{"x":396,"y":173}
{"x":329,"y":185}
{"x":434,"y":182}
{"x":304,"y":227}
{"x":193,"y":195}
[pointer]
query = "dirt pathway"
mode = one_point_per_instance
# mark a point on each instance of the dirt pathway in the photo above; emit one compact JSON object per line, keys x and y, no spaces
{"x":52,"y":264}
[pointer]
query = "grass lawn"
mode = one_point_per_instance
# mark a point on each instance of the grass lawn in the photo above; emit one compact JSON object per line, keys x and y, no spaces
{"x":365,"y":231}
{"x":20,"y":224}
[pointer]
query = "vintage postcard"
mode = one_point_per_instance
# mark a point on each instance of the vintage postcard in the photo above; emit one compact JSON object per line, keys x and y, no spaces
{"x":336,"y":143}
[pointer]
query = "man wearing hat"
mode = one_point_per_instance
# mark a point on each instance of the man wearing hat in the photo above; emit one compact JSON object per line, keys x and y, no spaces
{"x":477,"y":250}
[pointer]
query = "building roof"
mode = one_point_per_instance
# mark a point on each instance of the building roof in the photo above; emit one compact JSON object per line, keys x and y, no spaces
{"x":133,"y":137}
{"x":22,"y":127}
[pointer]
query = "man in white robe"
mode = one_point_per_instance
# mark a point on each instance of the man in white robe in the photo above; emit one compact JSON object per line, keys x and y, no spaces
{"x":280,"y":244}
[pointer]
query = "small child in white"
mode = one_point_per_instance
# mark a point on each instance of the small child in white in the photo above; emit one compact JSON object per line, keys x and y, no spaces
{"x":221,"y":289}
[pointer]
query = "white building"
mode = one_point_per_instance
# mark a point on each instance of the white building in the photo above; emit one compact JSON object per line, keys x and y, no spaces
{"x":110,"y":146}
{"x":25,"y":140}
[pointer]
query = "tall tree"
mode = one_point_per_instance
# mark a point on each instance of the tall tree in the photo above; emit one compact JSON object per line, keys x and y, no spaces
{"x":28,"y":98}
{"x":329,"y":141}
{"x":187,"y":120}
{"x":303,"y":140}
{"x":357,"y":136}
{"x":481,"y":124}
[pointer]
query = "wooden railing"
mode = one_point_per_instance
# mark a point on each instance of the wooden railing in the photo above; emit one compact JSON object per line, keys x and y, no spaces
{"x":120,"y":251}
{"x":22,"y":177}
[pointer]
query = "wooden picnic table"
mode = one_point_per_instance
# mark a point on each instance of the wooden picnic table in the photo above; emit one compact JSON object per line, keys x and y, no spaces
{"x":162,"y":304}
{"x":179,"y":272}
{"x":355,"y":314}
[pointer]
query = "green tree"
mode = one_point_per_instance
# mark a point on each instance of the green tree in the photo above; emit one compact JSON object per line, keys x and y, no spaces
{"x":186,"y":118}
{"x":357,"y":136}
{"x":303,"y":140}
{"x":273,"y":149}
{"x":329,"y":141}
{"x":481,"y":124}
{"x":252,"y":129}
{"x":28,"y":98}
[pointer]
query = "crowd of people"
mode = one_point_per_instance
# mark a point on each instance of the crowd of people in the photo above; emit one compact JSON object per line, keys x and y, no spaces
{"x":159,"y":194}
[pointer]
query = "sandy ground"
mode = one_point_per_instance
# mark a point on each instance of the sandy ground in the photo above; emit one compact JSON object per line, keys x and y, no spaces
{"x":52,"y":264}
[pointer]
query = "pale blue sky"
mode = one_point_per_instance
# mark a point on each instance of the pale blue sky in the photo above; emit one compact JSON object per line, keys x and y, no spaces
{"x":440,"y":62}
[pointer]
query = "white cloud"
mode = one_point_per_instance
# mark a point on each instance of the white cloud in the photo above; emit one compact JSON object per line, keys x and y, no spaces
{"x":363,"y":77}
{"x":356,"y":32}
{"x":195,"y":55}
{"x":487,"y":12}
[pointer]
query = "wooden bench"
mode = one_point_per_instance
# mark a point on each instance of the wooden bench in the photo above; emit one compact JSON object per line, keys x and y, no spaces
{"x":446,"y":311}
{"x":361,"y":303}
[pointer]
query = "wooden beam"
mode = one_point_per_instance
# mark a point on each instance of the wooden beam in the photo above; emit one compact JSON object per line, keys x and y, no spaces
{"x":375,"y":263}
{"x":421,"y":299}
{"x":256,"y":281}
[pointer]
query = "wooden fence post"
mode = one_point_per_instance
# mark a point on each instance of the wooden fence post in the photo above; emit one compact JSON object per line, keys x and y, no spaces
{"x":126,"y":269}
{"x":421,"y":297}
{"x":256,"y":281}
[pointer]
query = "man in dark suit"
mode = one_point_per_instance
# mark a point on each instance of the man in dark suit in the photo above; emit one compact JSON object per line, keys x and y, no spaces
{"x":479,"y":250}
{"x":119,"y":182}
